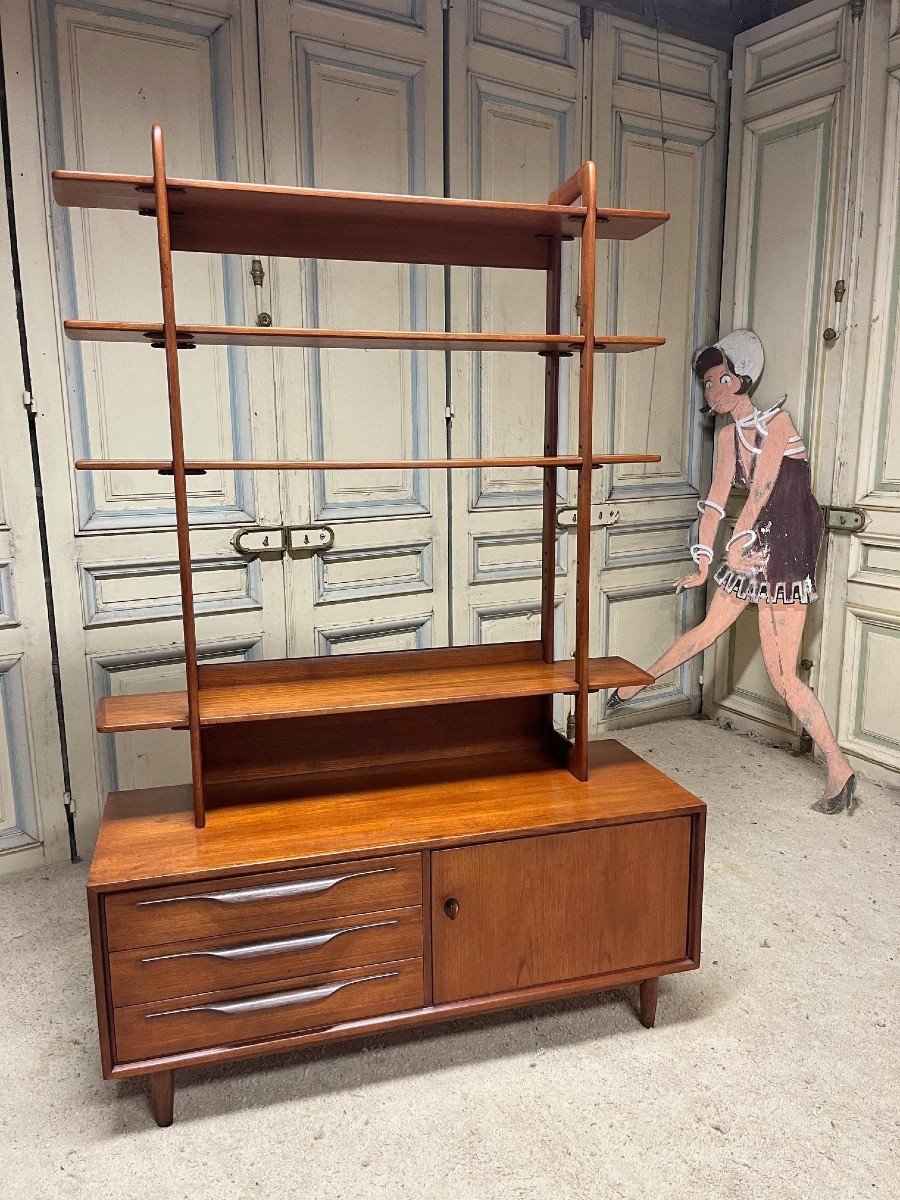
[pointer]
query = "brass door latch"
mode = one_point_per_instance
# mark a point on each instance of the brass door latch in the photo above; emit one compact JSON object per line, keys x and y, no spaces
{"x":276,"y":539}
{"x":601,"y":516}
{"x":844,"y":520}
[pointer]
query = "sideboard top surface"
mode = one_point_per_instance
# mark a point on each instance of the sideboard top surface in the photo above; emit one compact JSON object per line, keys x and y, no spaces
{"x":148,"y":835}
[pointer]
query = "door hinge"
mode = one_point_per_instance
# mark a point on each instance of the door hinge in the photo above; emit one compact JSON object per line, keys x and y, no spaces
{"x":69,"y":802}
{"x":840,"y":291}
{"x":28,"y":401}
{"x":857,"y":8}
{"x":844,"y":520}
{"x":586,"y":22}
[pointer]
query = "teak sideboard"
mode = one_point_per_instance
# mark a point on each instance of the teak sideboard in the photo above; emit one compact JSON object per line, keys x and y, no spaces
{"x":376,"y":841}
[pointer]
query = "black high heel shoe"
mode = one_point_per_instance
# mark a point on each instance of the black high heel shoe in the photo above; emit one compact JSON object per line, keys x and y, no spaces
{"x":845,"y":798}
{"x":614,"y":701}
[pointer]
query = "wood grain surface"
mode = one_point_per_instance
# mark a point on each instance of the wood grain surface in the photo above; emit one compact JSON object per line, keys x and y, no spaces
{"x":238,"y":218}
{"x":368,"y":682}
{"x":148,"y":835}
{"x":541,"y":909}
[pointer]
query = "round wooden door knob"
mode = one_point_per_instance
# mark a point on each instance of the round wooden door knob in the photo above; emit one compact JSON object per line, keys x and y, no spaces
{"x":451,"y":908}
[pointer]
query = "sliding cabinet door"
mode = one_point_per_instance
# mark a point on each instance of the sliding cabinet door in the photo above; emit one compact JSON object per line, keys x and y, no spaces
{"x":352,"y":100}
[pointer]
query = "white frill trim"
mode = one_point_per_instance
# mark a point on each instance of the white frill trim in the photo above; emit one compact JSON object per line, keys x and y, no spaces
{"x":755,"y":588}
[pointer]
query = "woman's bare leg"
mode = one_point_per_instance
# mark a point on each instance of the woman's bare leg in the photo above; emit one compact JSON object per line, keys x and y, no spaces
{"x":723,"y":612}
{"x":780,"y":633}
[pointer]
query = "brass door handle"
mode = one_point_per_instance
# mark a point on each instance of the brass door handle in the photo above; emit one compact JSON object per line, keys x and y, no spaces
{"x":451,"y":908}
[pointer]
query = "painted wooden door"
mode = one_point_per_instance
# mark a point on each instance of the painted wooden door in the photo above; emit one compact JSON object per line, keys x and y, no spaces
{"x":352,"y":100}
{"x":108,"y":71}
{"x":516,"y":119}
{"x":860,"y":645}
{"x":787,"y":243}
{"x":658,"y":135}
{"x":32,"y":812}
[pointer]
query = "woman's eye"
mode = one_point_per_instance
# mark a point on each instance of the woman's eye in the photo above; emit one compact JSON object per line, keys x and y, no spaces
{"x":726,"y":379}
{"x":707,"y":384}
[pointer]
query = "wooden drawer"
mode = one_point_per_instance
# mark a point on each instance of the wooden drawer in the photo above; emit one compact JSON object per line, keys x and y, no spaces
{"x":267,"y":1010}
{"x":154,"y":916}
{"x":212,"y":964}
{"x":539,"y":910}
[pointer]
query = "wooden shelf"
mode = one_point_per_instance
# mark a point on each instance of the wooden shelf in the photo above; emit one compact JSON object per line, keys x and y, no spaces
{"x":197,"y":466}
{"x":150,"y":710}
{"x":268,"y":690}
{"x":240,"y":218}
{"x":353,"y":339}
{"x":148,"y":835}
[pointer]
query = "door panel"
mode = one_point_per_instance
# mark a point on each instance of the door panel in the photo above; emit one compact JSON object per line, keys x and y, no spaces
{"x":861,"y":635}
{"x":109,"y":71}
{"x":32,"y":813}
{"x":787,"y":223}
{"x":516,"y":78}
{"x":543,"y":909}
{"x":659,"y":108}
{"x":354,"y":102}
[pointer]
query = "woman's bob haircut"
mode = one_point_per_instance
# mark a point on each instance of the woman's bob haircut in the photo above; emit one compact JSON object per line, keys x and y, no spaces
{"x":712,"y":356}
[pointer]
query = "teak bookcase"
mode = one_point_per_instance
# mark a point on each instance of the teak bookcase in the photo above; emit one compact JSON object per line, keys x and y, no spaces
{"x":393,"y":838}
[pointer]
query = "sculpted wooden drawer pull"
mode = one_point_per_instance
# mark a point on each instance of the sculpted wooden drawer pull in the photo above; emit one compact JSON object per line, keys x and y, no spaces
{"x":451,"y":908}
{"x":279,"y":1000}
{"x":275,"y":891}
{"x":308,"y":941}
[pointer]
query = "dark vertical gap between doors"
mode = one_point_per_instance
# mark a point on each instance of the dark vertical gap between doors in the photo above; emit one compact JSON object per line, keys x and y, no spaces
{"x":448,"y":315}
{"x":36,"y":462}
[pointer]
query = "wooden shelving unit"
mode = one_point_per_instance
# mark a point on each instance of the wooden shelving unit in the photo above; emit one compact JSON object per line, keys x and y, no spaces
{"x":214,"y":217}
{"x":419,"y":787}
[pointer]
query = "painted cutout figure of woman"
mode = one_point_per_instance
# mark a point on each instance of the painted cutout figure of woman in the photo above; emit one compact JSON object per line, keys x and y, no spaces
{"x":771,"y":558}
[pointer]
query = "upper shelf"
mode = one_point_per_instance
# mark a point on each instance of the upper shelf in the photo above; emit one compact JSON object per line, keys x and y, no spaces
{"x":353,"y":339}
{"x":269,"y":690}
{"x":242,"y":218}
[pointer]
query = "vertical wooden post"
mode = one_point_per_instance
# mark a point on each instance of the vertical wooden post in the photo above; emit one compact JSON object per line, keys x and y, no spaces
{"x":579,"y":761}
{"x":179,"y":477}
{"x":551,"y":448}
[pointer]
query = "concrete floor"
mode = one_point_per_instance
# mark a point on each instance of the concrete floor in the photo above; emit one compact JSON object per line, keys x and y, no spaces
{"x":773,"y":1071}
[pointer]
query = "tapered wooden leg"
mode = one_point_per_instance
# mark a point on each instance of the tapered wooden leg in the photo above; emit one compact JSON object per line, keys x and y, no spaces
{"x":649,"y":996}
{"x":162,"y":1096}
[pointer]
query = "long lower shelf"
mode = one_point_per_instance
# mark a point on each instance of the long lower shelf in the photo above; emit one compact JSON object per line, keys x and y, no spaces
{"x":268,"y":690}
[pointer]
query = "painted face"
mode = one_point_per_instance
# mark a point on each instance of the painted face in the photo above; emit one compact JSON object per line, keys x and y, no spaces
{"x":720,"y":388}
